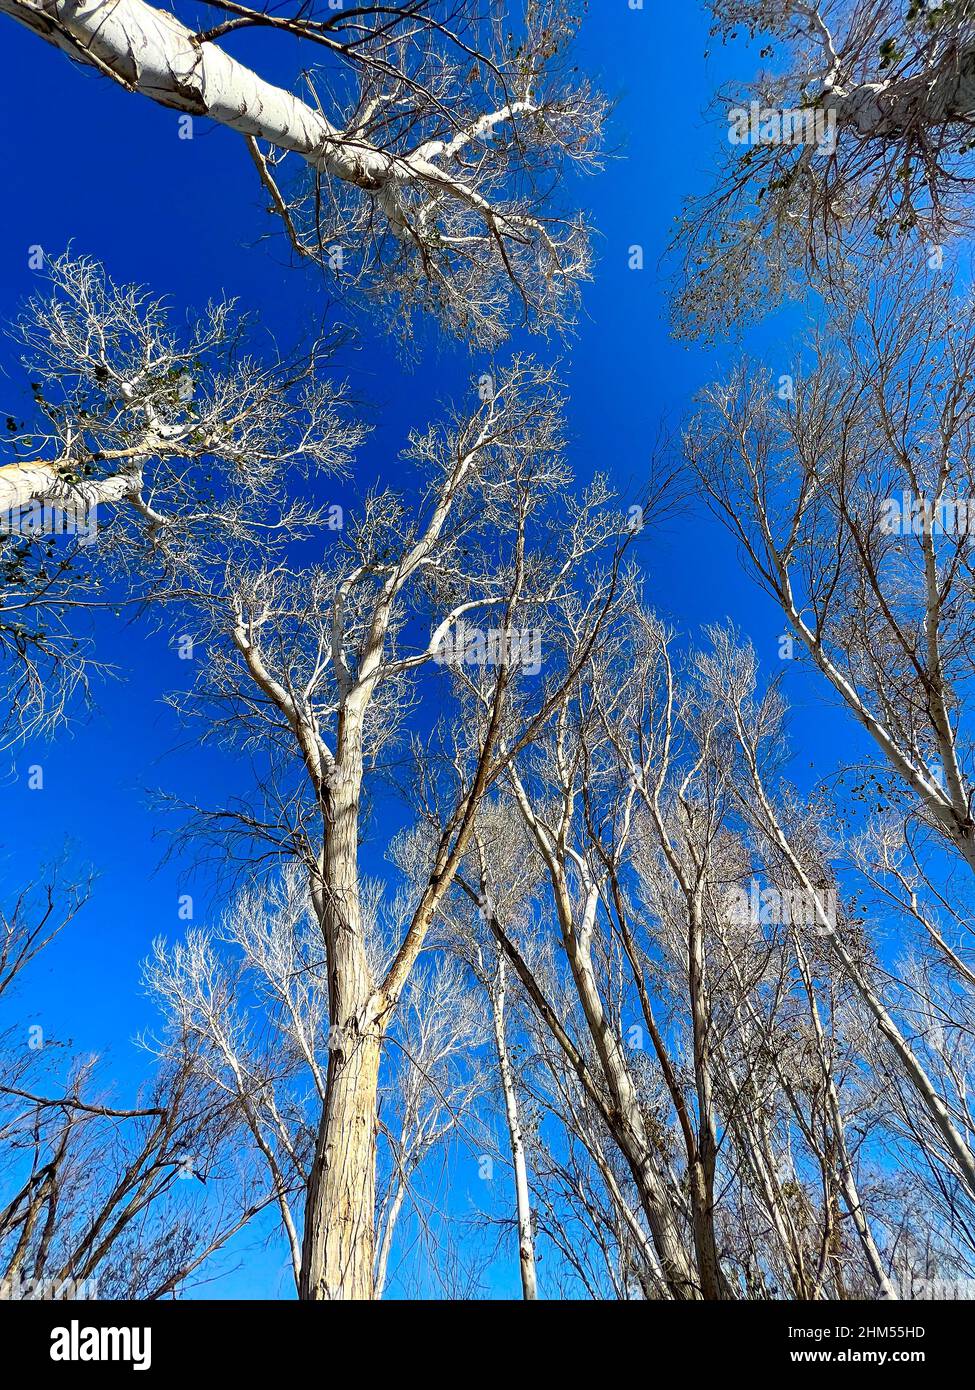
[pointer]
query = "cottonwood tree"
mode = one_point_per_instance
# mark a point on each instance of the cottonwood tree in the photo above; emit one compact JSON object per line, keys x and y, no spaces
{"x":95,"y":1199}
{"x":556,"y":787}
{"x":127,"y":416}
{"x":585,"y":1203}
{"x":249,"y":1004}
{"x":655,"y":792}
{"x":851,"y":504}
{"x":888,"y":89}
{"x":730,"y":988}
{"x":788,"y":843}
{"x":200,"y":481}
{"x":571,"y":1189}
{"x":787,"y":1011}
{"x":498,"y":881}
{"x":573,"y":1195}
{"x":584,"y":1207}
{"x":314,"y":669}
{"x":432,"y":138}
{"x":938,"y":1094}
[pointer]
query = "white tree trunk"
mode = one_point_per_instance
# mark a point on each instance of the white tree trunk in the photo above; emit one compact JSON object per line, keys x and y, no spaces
{"x":851,"y":1195}
{"x":914,"y":1072}
{"x":151,"y":52}
{"x":24,"y":483}
{"x":631,"y":1132}
{"x":526,"y":1239}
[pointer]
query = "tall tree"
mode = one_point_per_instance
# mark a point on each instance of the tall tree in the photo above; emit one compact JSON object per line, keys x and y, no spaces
{"x":315,"y":669}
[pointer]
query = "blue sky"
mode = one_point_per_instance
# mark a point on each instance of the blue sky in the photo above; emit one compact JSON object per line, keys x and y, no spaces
{"x":83,"y":162}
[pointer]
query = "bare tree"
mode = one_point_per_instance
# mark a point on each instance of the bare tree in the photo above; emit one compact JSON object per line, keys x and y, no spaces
{"x":314,"y":669}
{"x":498,"y":881}
{"x":432,"y":139}
{"x":565,"y":793}
{"x":93,"y":1201}
{"x":944,"y":1107}
{"x":114,"y":465}
{"x":857,"y":136}
{"x":268,"y":1060}
{"x":650,"y":804}
{"x":851,"y":504}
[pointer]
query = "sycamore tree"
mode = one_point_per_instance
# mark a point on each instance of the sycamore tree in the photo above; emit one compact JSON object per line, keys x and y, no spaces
{"x":428,"y":143}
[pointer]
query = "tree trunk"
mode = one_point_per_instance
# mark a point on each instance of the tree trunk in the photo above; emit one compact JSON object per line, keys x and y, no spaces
{"x":22,"y":484}
{"x":701,"y":1177}
{"x":338,"y":1250}
{"x":386,"y":1244}
{"x":912,"y":1069}
{"x":526,"y":1240}
{"x":149,"y":51}
{"x":629,"y":1129}
{"x":844,"y":1166}
{"x":704,"y":1161}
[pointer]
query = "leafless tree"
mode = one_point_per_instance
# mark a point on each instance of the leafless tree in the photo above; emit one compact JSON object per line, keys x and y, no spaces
{"x":564,"y":792}
{"x":94,"y":1203}
{"x":432,"y":138}
{"x":498,"y":881}
{"x":312,"y":669}
{"x":860,"y":137}
{"x":650,"y":800}
{"x":851,"y":503}
{"x":249,"y":1004}
{"x":139,"y":436}
{"x":937,"y":1092}
{"x":315,"y":669}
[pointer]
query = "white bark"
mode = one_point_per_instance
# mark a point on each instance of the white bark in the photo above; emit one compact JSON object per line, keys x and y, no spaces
{"x":24,"y":483}
{"x":848,"y":1184}
{"x":151,"y":52}
{"x":628,"y":1127}
{"x":526,"y":1240}
{"x":913,"y":1071}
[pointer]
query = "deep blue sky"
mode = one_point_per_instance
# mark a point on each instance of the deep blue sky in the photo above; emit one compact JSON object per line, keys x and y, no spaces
{"x":84,"y":162}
